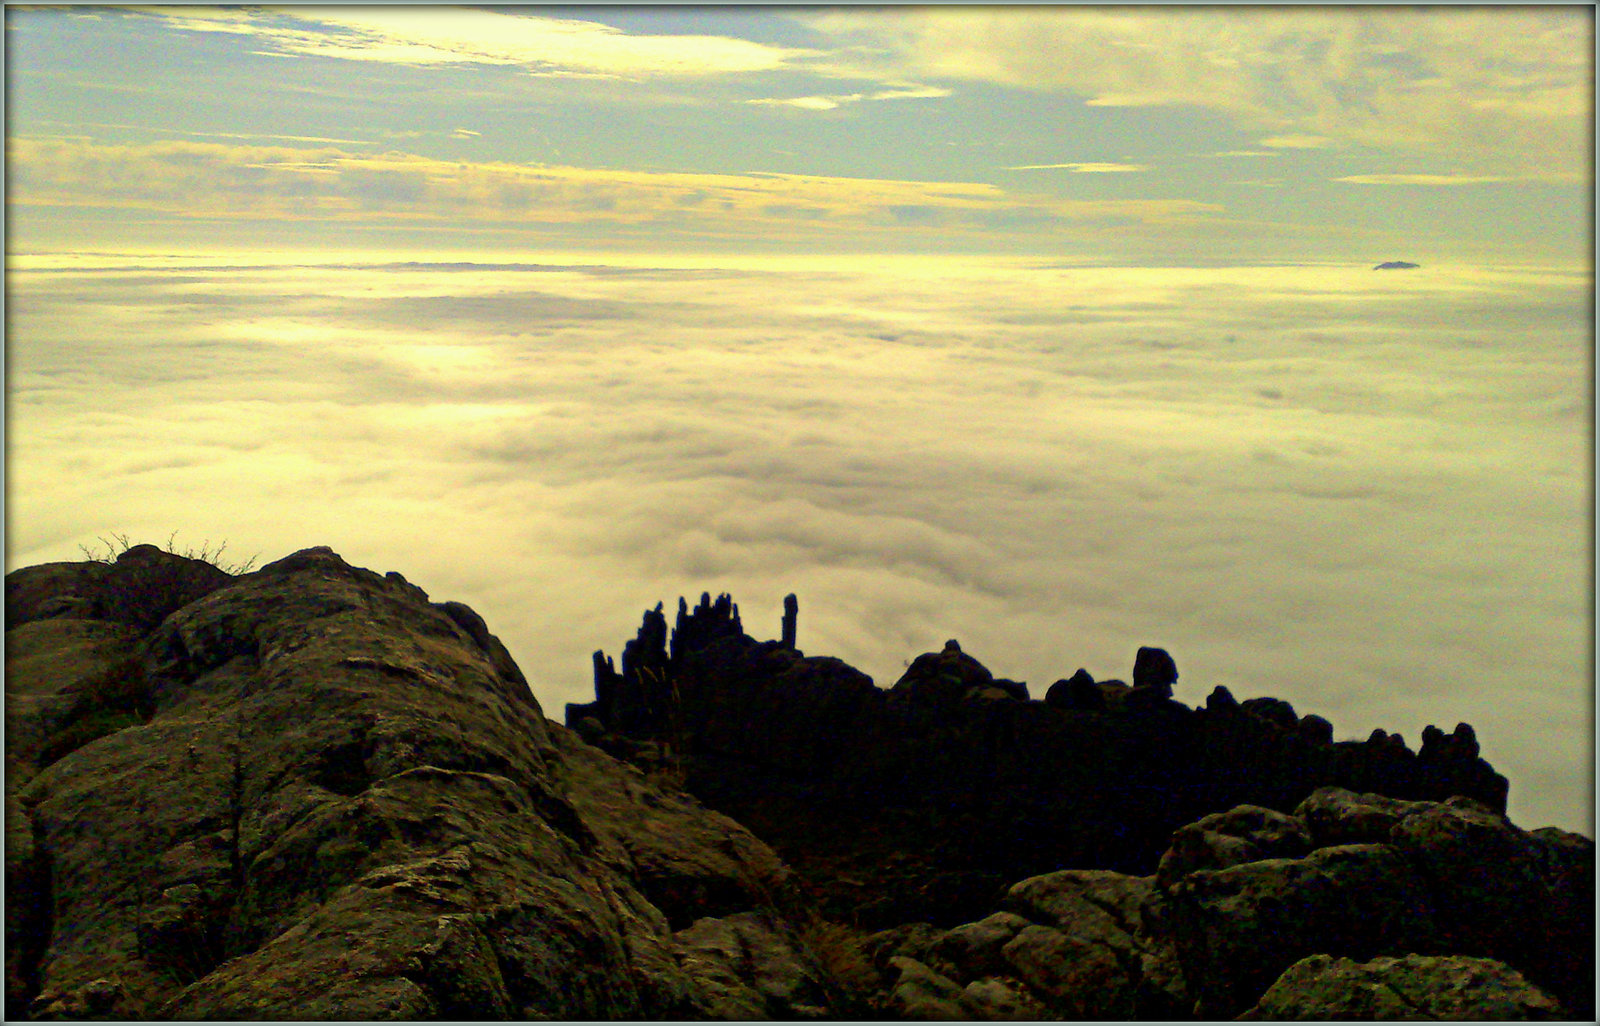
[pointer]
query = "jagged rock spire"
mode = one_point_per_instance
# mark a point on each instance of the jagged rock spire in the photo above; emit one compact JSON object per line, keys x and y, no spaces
{"x":791,"y":615}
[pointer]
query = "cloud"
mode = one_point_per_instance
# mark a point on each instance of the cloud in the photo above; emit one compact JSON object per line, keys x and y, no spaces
{"x":1511,"y":87}
{"x":1424,"y":179}
{"x":900,"y":91}
{"x":1247,"y":466}
{"x":1297,"y":142}
{"x":1084,"y":168}
{"x":431,"y":36}
{"x":191,"y":180}
{"x":808,"y":102}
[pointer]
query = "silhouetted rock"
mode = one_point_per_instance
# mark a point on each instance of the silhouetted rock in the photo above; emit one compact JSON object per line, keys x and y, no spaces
{"x":1076,"y":692}
{"x":1396,"y":265}
{"x":956,"y":766}
{"x":1221,"y":700}
{"x":1154,"y":668}
{"x":1273,"y":710}
{"x":791,"y":617}
{"x":1316,"y":729}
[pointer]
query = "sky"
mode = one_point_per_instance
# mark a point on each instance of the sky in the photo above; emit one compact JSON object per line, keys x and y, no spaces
{"x":1055,"y":330}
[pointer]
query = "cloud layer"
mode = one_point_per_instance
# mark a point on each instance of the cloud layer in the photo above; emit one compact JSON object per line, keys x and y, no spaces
{"x":205,"y":180}
{"x":1366,"y":493}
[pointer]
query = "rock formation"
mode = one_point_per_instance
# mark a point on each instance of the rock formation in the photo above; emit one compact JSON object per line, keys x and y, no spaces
{"x":961,"y":770}
{"x":791,"y":617}
{"x":1353,"y":906}
{"x":312,"y":793}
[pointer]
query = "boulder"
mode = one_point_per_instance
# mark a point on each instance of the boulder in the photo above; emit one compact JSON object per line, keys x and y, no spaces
{"x":973,"y":949}
{"x":1274,"y":710}
{"x":1337,"y":816}
{"x":1324,"y":988}
{"x":68,"y":682}
{"x":1316,"y":729}
{"x":1154,"y":668}
{"x":920,"y":993}
{"x":1076,"y":978}
{"x":1245,"y":833}
{"x":1076,"y":692}
{"x":1098,"y":948}
{"x":912,"y":940}
{"x":943,"y":677}
{"x":752,"y":966}
{"x":1236,"y":929}
{"x":1000,"y":999}
{"x":1488,"y":887}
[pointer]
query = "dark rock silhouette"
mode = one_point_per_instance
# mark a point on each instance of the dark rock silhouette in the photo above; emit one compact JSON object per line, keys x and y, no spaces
{"x":1076,"y":692}
{"x":1154,"y":668}
{"x":791,"y":617}
{"x":1396,"y":265}
{"x":972,"y":783}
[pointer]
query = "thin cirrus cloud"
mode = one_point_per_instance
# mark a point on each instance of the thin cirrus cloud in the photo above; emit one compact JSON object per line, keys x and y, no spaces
{"x":446,"y":36}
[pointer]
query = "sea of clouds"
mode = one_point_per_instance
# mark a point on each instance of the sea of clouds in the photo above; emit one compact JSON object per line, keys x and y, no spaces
{"x":1365,"y":492}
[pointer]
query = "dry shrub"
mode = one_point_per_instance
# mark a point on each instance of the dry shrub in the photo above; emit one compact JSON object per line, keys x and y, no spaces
{"x":844,"y":957}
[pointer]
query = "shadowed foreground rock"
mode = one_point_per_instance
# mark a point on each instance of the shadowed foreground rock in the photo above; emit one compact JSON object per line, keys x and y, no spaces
{"x":1321,"y":988}
{"x":1227,"y":928}
{"x":321,"y":796}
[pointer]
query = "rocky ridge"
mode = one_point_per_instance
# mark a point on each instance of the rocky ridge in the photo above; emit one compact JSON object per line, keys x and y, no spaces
{"x":923,"y":801}
{"x":312,"y":792}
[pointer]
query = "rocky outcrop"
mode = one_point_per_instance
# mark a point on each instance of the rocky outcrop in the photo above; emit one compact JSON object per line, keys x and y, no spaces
{"x":959,"y":771}
{"x":139,"y":588}
{"x":1323,"y":989}
{"x":312,"y":793}
{"x":1256,"y":913}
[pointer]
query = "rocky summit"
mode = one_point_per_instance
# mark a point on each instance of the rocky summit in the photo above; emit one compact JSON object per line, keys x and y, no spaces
{"x":310,"y":792}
